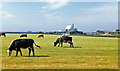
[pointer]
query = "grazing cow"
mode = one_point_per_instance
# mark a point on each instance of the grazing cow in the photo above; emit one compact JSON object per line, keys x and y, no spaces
{"x":41,"y":36}
{"x":23,"y":35}
{"x":3,"y":34}
{"x":62,"y":40}
{"x":21,"y":43}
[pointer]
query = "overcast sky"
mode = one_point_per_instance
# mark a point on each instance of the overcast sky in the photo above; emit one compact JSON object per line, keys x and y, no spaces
{"x":50,"y":16}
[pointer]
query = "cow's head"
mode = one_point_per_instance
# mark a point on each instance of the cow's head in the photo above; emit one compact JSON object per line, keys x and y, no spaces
{"x":9,"y":52}
{"x":55,"y":43}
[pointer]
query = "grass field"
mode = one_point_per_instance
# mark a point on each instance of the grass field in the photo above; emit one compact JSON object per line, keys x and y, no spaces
{"x":88,"y":53}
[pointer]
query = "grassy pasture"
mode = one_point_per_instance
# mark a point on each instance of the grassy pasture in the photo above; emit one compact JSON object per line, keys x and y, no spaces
{"x":89,"y":53}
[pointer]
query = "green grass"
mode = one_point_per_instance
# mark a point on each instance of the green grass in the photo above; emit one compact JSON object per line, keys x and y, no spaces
{"x":89,"y":53}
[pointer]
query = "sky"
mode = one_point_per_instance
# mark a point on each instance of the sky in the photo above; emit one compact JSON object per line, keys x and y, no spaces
{"x":54,"y":16}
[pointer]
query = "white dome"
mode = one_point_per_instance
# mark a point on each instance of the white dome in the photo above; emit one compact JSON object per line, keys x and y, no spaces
{"x":69,"y":27}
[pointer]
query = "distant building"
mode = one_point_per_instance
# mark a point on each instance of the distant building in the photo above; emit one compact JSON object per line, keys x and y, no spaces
{"x":113,"y":32}
{"x":76,"y":33}
{"x":70,"y":28}
{"x":72,"y":31}
{"x":91,"y":33}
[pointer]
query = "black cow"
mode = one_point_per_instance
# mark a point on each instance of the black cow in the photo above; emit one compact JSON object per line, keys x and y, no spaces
{"x":22,"y":43}
{"x":62,"y":40}
{"x":2,"y":34}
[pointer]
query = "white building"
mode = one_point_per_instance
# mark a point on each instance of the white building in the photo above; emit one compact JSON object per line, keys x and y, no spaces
{"x":70,"y":28}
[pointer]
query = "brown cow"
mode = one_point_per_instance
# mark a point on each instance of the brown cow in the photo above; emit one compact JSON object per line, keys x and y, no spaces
{"x":2,"y":34}
{"x":23,"y":35}
{"x":41,"y":36}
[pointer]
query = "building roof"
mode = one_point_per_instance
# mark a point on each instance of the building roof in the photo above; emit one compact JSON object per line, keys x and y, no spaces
{"x":70,"y":27}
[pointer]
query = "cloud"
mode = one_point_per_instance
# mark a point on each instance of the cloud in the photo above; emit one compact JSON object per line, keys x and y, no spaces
{"x":55,"y":4}
{"x":106,"y":8}
{"x":42,"y":11}
{"x":101,"y":17}
{"x":7,"y":15}
{"x":52,"y":5}
{"x":0,"y":5}
{"x":50,"y":15}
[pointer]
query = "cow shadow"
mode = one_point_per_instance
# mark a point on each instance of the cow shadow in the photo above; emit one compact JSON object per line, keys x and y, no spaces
{"x":72,"y":47}
{"x":37,"y":56}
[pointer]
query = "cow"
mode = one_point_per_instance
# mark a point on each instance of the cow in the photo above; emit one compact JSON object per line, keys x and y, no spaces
{"x":23,"y":35}
{"x":63,"y":39}
{"x":3,"y":34}
{"x":41,"y":36}
{"x":21,"y":43}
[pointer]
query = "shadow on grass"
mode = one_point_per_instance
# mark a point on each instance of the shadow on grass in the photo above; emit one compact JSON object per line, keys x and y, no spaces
{"x":34,"y":56}
{"x":37,"y":56}
{"x":71,"y":47}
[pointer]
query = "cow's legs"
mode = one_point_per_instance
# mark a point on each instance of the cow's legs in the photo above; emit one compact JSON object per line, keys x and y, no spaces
{"x":18,"y":49}
{"x":17,"y":52}
{"x":29,"y":52}
{"x":58,"y":44}
{"x":33,"y":52}
{"x":71,"y":44}
{"x":61,"y":44}
{"x":20,"y":52}
{"x":4,"y":35}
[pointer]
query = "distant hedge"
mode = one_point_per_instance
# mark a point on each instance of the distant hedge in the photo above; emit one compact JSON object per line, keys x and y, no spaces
{"x":118,"y":36}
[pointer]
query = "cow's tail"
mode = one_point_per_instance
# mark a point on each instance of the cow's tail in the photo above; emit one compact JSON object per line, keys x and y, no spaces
{"x":37,"y":45}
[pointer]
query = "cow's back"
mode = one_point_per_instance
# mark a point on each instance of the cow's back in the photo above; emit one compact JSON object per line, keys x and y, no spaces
{"x":67,"y":39}
{"x":23,"y":42}
{"x":23,"y":35}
